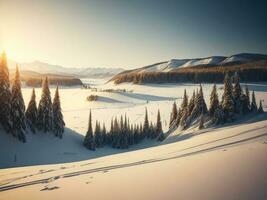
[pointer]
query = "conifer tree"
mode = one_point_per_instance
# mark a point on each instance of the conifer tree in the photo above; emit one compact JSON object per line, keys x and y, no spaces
{"x":260,"y":109}
{"x":200,"y":105}
{"x":227,"y":99}
{"x":173,"y":114}
{"x":184,"y":102}
{"x":158,"y":129}
{"x":98,"y":135}
{"x":179,"y":116}
{"x":31,"y":113}
{"x":104,"y":135}
{"x":45,"y":113}
{"x":5,"y":95}
{"x":146,"y":125}
{"x":58,"y":122}
{"x":89,"y":141}
{"x":201,"y":122}
{"x":214,"y":100}
{"x":253,"y":106}
{"x":18,"y":109}
{"x":191,"y":103}
{"x":237,"y":92}
{"x":248,"y":96}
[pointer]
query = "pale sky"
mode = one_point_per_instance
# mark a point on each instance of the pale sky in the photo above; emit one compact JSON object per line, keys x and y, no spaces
{"x":128,"y":34}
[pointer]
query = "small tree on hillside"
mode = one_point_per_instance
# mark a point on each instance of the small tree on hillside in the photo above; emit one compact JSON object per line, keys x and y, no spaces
{"x":227,"y":99}
{"x":253,"y":106}
{"x":45,"y":113}
{"x":58,"y":122}
{"x":248,"y":96}
{"x":18,"y":109}
{"x":146,"y":125}
{"x":191,"y":103}
{"x":89,"y":141}
{"x":98,"y":135}
{"x":173,"y":114}
{"x":237,"y":92}
{"x":214,"y":100}
{"x":200,"y":105}
{"x":158,"y":129}
{"x":31,"y":112}
{"x":260,"y":109}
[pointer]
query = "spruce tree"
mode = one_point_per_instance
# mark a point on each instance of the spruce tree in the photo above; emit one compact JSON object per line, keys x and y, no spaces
{"x":237,"y":92}
{"x":89,"y":141}
{"x":18,"y":109}
{"x":227,"y":99}
{"x":104,"y":135}
{"x":98,"y":135}
{"x":191,"y":103}
{"x":201,"y":122}
{"x":31,"y":113}
{"x":58,"y":122}
{"x":200,"y":105}
{"x":45,"y":113}
{"x":214,"y":100}
{"x":184,"y":102}
{"x":173,"y":114}
{"x":5,"y":95}
{"x":253,"y":106}
{"x":248,"y":96}
{"x":260,"y":109}
{"x":146,"y":125}
{"x":158,"y":130}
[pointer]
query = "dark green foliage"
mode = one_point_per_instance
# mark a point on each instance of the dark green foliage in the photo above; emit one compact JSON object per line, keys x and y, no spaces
{"x":248,"y":97}
{"x":5,"y":95}
{"x":191,"y":103}
{"x":253,"y":105}
{"x":31,"y":113}
{"x":89,"y":140}
{"x":214,"y":101}
{"x":45,"y":113}
{"x":146,"y":125}
{"x":98,"y":135}
{"x":173,"y":114}
{"x":260,"y":109}
{"x":201,"y":122}
{"x":18,"y":110}
{"x":227,"y":99}
{"x":58,"y":122}
{"x":200,"y":105}
{"x":158,"y":129}
{"x":237,"y":92}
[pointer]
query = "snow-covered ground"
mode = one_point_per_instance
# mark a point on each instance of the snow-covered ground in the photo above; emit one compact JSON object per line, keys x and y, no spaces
{"x":226,"y":162}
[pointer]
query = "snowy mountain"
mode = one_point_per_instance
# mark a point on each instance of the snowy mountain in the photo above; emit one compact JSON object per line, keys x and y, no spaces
{"x":45,"y":68}
{"x":175,"y":64}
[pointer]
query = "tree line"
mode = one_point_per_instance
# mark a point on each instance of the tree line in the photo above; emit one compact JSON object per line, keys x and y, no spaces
{"x":15,"y":119}
{"x":234,"y":103}
{"x":122,"y":133}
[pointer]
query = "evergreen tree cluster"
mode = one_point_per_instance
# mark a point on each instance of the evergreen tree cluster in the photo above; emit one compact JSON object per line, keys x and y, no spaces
{"x":122,"y":133}
{"x":13,"y":117}
{"x":235,"y":102}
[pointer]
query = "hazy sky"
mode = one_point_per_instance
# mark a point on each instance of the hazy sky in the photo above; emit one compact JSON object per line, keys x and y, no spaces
{"x":124,"y":33}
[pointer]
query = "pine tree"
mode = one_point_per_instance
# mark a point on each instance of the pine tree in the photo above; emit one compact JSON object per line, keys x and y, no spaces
{"x":248,"y":97}
{"x":253,"y":106}
{"x":5,"y":95}
{"x":18,"y":109}
{"x":104,"y":135}
{"x":58,"y":122}
{"x":219,"y":116}
{"x":244,"y":104}
{"x":158,"y":129}
{"x":184,"y":102}
{"x":173,"y":114}
{"x":45,"y":113}
{"x":214,"y":100}
{"x":260,"y":109}
{"x":227,"y":99}
{"x":200,"y":105}
{"x":146,"y":125}
{"x":179,"y":116}
{"x":201,"y":122}
{"x":237,"y":92}
{"x":31,"y":113}
{"x":98,"y":135}
{"x":191,"y":103}
{"x":89,"y":141}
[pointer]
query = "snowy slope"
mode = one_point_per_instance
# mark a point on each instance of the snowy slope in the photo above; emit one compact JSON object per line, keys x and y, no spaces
{"x":209,"y":61}
{"x":228,"y":163}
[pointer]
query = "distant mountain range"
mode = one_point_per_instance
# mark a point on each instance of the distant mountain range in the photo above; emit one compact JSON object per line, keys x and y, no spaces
{"x":45,"y":68}
{"x":150,"y":73}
